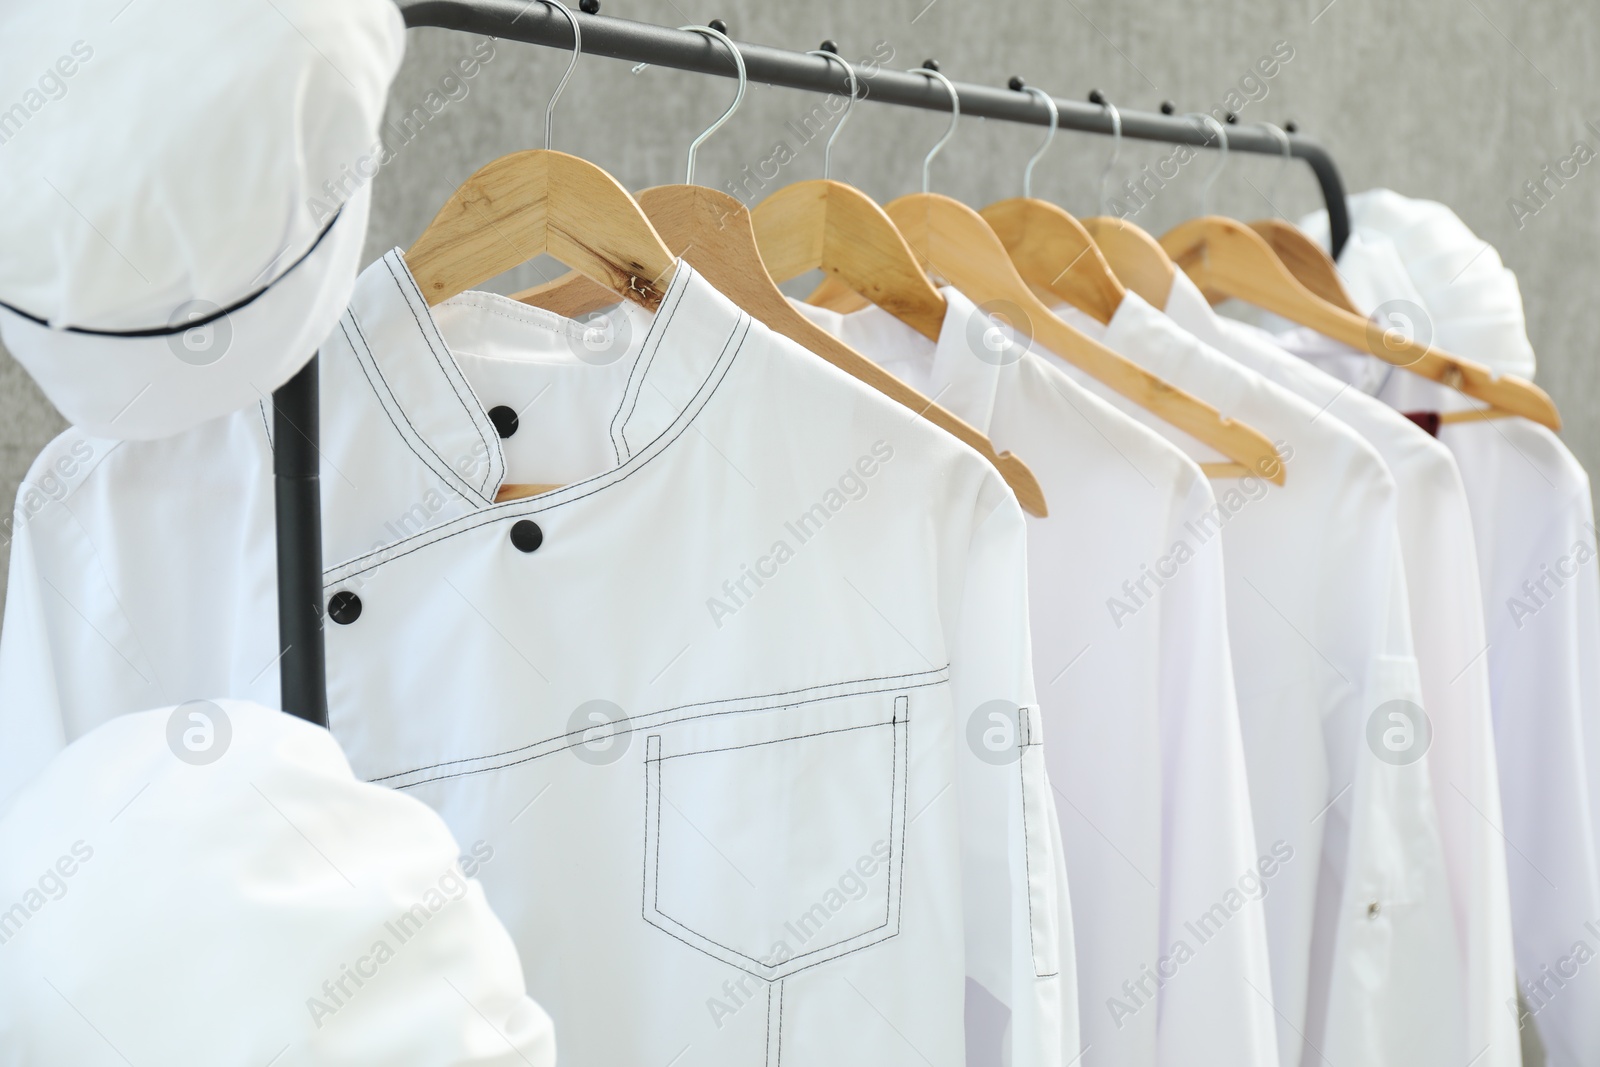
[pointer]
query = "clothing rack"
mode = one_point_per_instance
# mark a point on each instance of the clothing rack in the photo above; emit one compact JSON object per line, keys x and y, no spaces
{"x":301,"y":666}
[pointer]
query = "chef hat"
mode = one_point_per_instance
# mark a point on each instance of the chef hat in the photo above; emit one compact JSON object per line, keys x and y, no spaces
{"x":173,"y":173}
{"x":1471,"y":298}
{"x":209,"y":886}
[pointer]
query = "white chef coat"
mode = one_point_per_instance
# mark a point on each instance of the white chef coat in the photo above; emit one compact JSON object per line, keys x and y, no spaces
{"x":1144,"y":751}
{"x":1533,"y":518}
{"x":209,"y":886}
{"x":1441,"y":568}
{"x":1363,"y":952}
{"x":801,"y":604}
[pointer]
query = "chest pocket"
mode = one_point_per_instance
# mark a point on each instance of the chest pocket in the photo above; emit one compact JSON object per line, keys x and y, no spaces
{"x":774,"y":839}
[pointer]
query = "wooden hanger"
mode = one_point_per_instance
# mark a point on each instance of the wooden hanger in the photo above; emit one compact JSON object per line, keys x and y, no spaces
{"x":1137,"y":259}
{"x":828,"y":225}
{"x":1051,"y":249}
{"x":1228,"y":257}
{"x":1040,"y":238}
{"x":1306,"y":260}
{"x":834,"y":227}
{"x":958,"y":244}
{"x":714,"y":232}
{"x":542,"y":202}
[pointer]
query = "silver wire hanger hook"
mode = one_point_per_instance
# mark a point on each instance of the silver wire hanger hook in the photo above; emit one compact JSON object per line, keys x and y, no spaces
{"x":1116,"y":151}
{"x":1277,"y":179}
{"x":744,"y":81}
{"x":827,"y":148}
{"x":1222,"y":161}
{"x":955,"y":117}
{"x":1055,"y":121}
{"x":577,"y":50}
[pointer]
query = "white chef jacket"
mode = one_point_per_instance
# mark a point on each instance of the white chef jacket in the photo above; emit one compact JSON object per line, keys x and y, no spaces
{"x":1144,"y":752}
{"x":1363,"y":952}
{"x":717,"y":692}
{"x":1441,"y":568}
{"x":1533,"y":519}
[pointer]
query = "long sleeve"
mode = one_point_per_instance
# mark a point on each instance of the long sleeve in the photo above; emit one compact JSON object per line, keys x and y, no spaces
{"x":1018,"y":929}
{"x":1213,"y":974}
{"x":30,"y":705}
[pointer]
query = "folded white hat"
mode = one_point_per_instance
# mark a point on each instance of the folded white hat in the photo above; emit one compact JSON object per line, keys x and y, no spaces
{"x":210,"y":886}
{"x":1472,"y":300}
{"x":171,"y":172}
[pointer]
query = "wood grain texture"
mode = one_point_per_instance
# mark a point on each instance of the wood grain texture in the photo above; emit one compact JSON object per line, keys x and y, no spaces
{"x":827,"y":225}
{"x":534,"y":202}
{"x":1137,"y":259}
{"x":714,"y":232}
{"x":1053,"y":252}
{"x":1229,"y":257}
{"x":958,"y":244}
{"x":1306,"y":260}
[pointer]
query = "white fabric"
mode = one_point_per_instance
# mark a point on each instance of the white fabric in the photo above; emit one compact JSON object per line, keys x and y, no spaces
{"x":1359,"y":921}
{"x":1144,"y":747}
{"x":1533,"y":519}
{"x":209,"y":886}
{"x":800,"y":846}
{"x":1447,"y":626}
{"x":1473,"y":303}
{"x":168,"y":158}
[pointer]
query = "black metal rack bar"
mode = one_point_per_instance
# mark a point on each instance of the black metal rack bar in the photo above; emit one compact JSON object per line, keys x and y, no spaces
{"x":297,"y":492}
{"x":302,"y":667}
{"x":536,"y":23}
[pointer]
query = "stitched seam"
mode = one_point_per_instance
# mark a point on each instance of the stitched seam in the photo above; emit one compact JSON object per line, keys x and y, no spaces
{"x":408,"y":289}
{"x":934,"y":677}
{"x":391,"y":407}
{"x":574,"y":744}
{"x":537,"y":505}
{"x":781,"y":740}
{"x":647,"y":360}
{"x":646,"y":348}
{"x":642,"y":365}
{"x":901,"y":702}
{"x":1027,"y":852}
{"x":837,"y":950}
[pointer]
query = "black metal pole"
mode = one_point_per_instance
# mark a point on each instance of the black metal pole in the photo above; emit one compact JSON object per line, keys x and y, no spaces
{"x":637,"y":42}
{"x":302,"y":666}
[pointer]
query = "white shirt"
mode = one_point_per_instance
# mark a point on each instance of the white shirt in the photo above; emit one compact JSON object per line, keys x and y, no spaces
{"x":1144,"y":750}
{"x":1533,"y":518}
{"x":1441,"y":568}
{"x":807,"y":604}
{"x":1358,"y":920}
{"x":286,"y":913}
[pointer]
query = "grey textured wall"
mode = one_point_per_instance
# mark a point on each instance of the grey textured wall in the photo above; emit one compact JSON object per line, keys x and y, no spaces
{"x":1456,"y":100}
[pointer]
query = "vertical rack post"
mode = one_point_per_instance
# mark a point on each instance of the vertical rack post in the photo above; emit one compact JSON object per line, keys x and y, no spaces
{"x":297,"y":491}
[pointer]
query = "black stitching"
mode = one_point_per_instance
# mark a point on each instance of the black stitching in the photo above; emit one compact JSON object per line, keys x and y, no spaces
{"x":860,"y":941}
{"x":547,"y":501}
{"x":779,"y":1060}
{"x":905,"y":797}
{"x":430,"y":333}
{"x":898,"y":681}
{"x":563,"y":748}
{"x":369,"y":367}
{"x":781,"y":740}
{"x":675,"y":295}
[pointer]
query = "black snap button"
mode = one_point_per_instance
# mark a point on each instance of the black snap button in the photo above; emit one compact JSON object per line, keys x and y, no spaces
{"x":344,"y":607}
{"x":526,"y":535}
{"x":505,"y":420}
